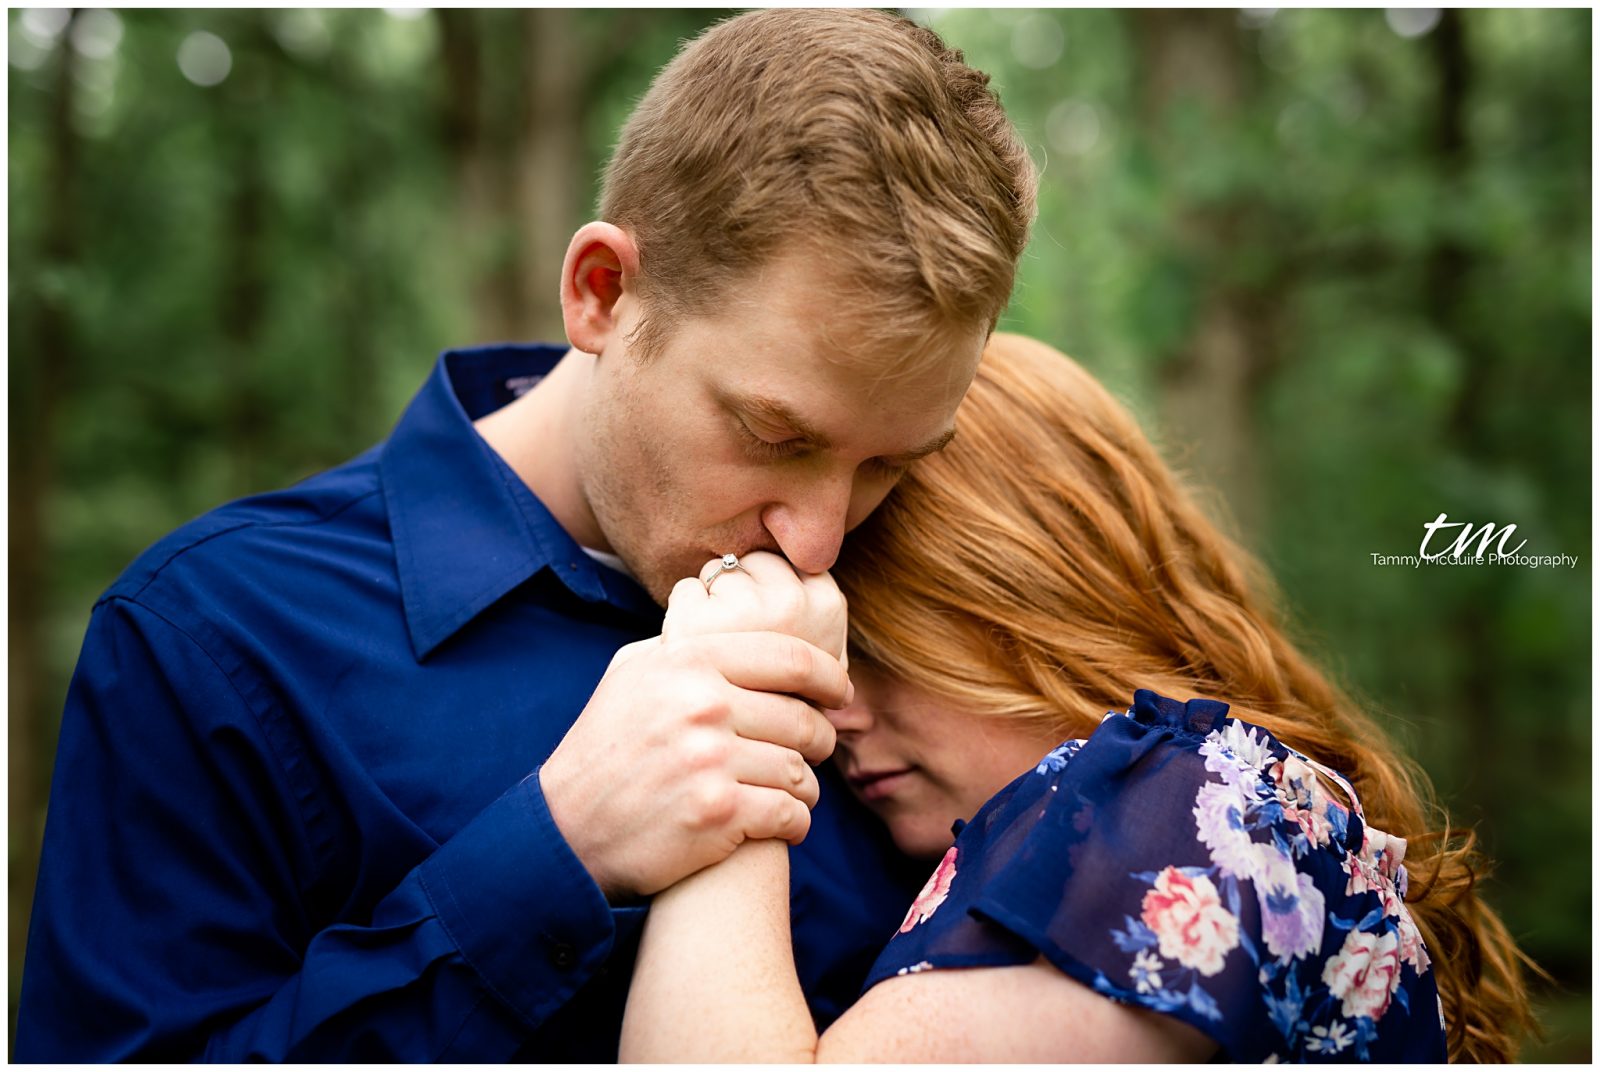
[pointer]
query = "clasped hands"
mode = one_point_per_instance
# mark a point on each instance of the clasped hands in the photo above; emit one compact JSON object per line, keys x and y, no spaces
{"x":704,"y":737}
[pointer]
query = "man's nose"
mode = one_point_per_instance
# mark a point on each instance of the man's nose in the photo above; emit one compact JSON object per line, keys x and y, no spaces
{"x":809,"y":525}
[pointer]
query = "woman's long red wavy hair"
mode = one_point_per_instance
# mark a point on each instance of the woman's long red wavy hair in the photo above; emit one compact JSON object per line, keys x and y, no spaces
{"x":1048,"y":563}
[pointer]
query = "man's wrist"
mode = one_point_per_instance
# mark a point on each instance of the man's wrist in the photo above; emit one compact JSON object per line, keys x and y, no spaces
{"x":555,"y":791}
{"x":519,"y":905}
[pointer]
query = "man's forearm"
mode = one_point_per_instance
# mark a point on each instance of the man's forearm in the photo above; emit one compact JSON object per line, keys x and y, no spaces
{"x":170,"y":921}
{"x":715,"y":979}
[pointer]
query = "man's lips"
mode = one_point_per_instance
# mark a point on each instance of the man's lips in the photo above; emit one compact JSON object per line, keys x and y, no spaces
{"x":875,"y":785}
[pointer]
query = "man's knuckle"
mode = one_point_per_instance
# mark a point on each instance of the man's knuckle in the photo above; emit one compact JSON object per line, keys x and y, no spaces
{"x":688,"y":650}
{"x":703,"y":751}
{"x":701,"y":702}
{"x":712,"y":804}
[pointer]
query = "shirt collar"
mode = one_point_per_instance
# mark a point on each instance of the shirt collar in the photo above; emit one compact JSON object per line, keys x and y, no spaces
{"x":466,"y":529}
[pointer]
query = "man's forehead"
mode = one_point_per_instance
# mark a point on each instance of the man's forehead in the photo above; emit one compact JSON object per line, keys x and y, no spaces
{"x":797,"y":302}
{"x":911,"y":371}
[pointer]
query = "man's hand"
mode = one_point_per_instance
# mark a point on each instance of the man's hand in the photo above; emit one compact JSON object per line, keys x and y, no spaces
{"x":690,"y":746}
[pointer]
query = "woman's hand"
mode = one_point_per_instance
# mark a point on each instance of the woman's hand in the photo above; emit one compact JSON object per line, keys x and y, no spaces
{"x":764,"y":595}
{"x":715,"y":977}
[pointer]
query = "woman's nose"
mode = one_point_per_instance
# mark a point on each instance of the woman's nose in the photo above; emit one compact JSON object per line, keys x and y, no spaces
{"x":855,"y":717}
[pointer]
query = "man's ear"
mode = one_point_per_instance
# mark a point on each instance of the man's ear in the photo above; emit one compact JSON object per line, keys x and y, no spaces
{"x":602,"y":264}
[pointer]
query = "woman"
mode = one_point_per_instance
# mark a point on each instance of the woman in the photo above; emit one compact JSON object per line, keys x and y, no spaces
{"x":1182,"y":881}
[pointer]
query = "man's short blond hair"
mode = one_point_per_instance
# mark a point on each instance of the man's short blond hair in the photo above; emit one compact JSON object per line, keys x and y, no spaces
{"x":855,"y":135}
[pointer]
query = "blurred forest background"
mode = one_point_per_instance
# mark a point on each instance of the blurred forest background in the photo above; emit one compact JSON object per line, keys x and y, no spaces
{"x":1339,"y":261}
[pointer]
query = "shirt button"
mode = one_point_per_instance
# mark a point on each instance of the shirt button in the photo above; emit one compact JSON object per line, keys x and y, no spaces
{"x":563,"y":955}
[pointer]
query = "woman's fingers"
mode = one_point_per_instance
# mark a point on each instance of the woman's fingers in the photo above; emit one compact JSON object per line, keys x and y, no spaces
{"x":686,"y":594}
{"x":777,"y":662}
{"x":762,"y":764}
{"x":823,"y":591}
{"x":787,"y":723}
{"x":764,"y":593}
{"x":762,"y":567}
{"x":773,"y":813}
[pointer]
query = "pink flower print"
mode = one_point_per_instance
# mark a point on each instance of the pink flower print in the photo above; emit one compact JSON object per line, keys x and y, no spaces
{"x":1389,"y":897}
{"x":1365,"y":973}
{"x":1303,"y":798}
{"x":1314,"y":822}
{"x":1359,"y":866}
{"x":1412,"y":951}
{"x":934,"y":893}
{"x":1386,"y":851}
{"x":1377,"y":866}
{"x":1294,"y":781}
{"x":1187,"y":916}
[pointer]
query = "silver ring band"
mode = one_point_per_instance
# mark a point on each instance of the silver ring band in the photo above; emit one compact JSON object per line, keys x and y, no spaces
{"x":728,"y":564}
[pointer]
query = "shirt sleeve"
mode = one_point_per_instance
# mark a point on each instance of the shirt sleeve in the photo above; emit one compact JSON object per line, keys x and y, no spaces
{"x":176,"y":914}
{"x":1190,"y":864}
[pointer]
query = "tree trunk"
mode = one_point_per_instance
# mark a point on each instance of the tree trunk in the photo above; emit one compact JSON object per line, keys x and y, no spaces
{"x":517,"y":167}
{"x":467,"y":145}
{"x":1208,"y":387}
{"x":1448,"y":284}
{"x":41,"y":369}
{"x":546,"y":169}
{"x":241,"y":114}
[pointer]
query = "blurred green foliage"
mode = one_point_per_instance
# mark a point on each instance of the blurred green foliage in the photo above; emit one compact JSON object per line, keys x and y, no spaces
{"x":1338,"y":260}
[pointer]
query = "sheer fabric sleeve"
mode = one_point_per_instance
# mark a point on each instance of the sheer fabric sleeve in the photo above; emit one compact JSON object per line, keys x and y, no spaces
{"x":1187,"y":862}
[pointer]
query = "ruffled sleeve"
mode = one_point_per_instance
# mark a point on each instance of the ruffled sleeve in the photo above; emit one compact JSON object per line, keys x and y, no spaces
{"x":1190,"y":863}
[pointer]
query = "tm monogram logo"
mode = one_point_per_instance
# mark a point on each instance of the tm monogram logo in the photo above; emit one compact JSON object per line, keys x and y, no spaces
{"x":1487,"y":545}
{"x":1459,"y":549}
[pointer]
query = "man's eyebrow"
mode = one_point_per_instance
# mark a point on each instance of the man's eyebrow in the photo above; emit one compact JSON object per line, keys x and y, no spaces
{"x":774,"y":410}
{"x":932,"y":446}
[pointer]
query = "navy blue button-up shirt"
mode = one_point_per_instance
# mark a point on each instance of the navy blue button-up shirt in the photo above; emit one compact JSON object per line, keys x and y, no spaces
{"x":295,"y":813}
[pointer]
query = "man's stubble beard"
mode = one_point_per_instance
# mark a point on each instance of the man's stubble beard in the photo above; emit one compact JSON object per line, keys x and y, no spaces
{"x":649,"y":500}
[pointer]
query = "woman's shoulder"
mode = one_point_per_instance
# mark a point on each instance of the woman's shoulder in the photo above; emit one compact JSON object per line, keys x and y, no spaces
{"x":1184,"y":757}
{"x":1191,"y":862}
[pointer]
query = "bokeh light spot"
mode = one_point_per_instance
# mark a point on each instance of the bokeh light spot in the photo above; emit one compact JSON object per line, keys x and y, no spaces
{"x":1073,"y":127}
{"x":44,"y":24}
{"x":1037,"y":41}
{"x":1411,"y":21}
{"x":96,"y":34}
{"x":204,"y":58}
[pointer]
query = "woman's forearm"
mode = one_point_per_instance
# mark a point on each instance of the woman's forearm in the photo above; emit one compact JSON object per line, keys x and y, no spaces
{"x":715,"y":978}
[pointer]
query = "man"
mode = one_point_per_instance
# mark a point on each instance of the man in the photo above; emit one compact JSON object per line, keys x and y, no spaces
{"x":336,"y":780}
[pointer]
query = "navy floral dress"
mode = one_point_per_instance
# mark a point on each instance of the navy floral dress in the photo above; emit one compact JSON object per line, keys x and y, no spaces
{"x":1191,"y":863}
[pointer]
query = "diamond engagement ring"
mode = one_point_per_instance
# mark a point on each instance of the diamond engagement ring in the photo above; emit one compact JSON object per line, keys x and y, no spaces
{"x":728,"y":564}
